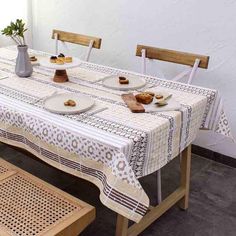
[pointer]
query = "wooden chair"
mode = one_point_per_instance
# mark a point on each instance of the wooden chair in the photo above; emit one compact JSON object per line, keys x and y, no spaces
{"x":30,"y":206}
{"x":84,"y":40}
{"x":194,"y":61}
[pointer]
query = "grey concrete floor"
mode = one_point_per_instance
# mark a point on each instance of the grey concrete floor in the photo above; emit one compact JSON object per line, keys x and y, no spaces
{"x":212,"y":210}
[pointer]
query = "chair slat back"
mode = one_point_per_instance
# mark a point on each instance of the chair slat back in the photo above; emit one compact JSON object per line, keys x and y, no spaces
{"x":76,"y":38}
{"x":173,"y":56}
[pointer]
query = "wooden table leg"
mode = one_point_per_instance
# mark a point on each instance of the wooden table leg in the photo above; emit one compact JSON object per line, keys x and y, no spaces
{"x":159,"y":189}
{"x":121,"y":226}
{"x":180,"y":195}
{"x":185,"y":176}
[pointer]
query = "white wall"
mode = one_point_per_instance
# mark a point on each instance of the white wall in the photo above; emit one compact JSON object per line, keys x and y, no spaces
{"x":10,"y":11}
{"x":201,"y":26}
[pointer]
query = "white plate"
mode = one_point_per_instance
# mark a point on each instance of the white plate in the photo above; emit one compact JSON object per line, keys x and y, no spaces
{"x":135,"y":82}
{"x":55,"y":103}
{"x":45,"y":62}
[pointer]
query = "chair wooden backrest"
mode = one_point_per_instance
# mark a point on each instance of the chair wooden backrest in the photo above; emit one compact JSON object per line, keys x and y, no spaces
{"x":184,"y":58}
{"x":84,"y":40}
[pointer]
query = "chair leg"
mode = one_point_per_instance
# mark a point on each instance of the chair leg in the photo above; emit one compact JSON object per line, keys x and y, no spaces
{"x":56,"y":43}
{"x":159,"y":192}
{"x":89,"y":50}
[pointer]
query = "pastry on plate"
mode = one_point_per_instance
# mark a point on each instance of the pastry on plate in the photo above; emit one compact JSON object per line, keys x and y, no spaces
{"x":61,"y":56}
{"x":150,"y":93}
{"x":123,"y":80}
{"x":159,"y":96}
{"x":70,"y":103}
{"x":33,"y":58}
{"x":144,"y":98}
{"x":53,"y":59}
{"x":68,"y":59}
{"x":59,"y":61}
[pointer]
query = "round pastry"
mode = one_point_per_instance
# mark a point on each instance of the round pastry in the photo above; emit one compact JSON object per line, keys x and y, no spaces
{"x":53,"y":59}
{"x":61,"y":56}
{"x":159,"y":96}
{"x":125,"y":81}
{"x":70,"y":103}
{"x":144,"y":98}
{"x":150,"y":93}
{"x":59,"y":61}
{"x":33,"y":58}
{"x":68,"y":59}
{"x":122,"y":78}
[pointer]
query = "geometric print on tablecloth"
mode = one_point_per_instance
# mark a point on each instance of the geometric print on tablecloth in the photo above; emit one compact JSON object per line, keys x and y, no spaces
{"x":57,"y":136}
{"x":60,"y":86}
{"x":223,"y":126}
{"x":139,"y":137}
{"x":209,"y":94}
{"x":188,"y":110}
{"x":137,"y":161}
{"x":18,"y":95}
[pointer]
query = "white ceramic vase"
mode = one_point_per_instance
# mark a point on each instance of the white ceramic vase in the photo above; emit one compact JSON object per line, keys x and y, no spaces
{"x":23,"y":65}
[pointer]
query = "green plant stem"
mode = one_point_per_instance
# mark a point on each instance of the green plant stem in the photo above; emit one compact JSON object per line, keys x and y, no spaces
{"x":14,"y":40}
{"x":19,"y":39}
{"x":16,"y":31}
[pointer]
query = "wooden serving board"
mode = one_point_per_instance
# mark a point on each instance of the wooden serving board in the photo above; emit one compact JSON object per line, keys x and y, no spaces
{"x":132,"y":103}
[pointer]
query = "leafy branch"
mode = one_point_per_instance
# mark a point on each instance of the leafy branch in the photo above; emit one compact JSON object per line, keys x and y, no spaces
{"x":16,"y":31}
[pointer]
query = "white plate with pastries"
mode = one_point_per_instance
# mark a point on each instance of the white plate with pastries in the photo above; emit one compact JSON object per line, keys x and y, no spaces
{"x":124,"y":82}
{"x":68,"y":103}
{"x":46,"y":62}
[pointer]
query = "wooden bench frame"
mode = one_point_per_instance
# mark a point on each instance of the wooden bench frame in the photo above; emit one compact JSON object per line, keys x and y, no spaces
{"x":180,"y":195}
{"x":72,"y":225}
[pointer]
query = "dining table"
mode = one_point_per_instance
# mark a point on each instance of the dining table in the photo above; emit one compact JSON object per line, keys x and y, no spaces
{"x":107,"y":145}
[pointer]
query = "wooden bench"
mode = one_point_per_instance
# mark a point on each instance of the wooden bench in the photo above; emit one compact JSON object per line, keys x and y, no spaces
{"x":32,"y":207}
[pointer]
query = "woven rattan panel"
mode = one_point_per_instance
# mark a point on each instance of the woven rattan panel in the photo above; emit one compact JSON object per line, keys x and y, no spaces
{"x":28,"y":208}
{"x":3,"y":169}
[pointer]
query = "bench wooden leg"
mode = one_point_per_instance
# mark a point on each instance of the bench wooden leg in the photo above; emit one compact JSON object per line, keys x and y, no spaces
{"x":180,"y":195}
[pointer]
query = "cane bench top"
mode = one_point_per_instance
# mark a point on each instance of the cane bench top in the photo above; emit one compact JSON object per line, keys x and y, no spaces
{"x":31,"y":207}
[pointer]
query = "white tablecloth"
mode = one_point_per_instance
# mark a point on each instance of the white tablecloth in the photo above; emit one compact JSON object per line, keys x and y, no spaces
{"x":112,"y":148}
